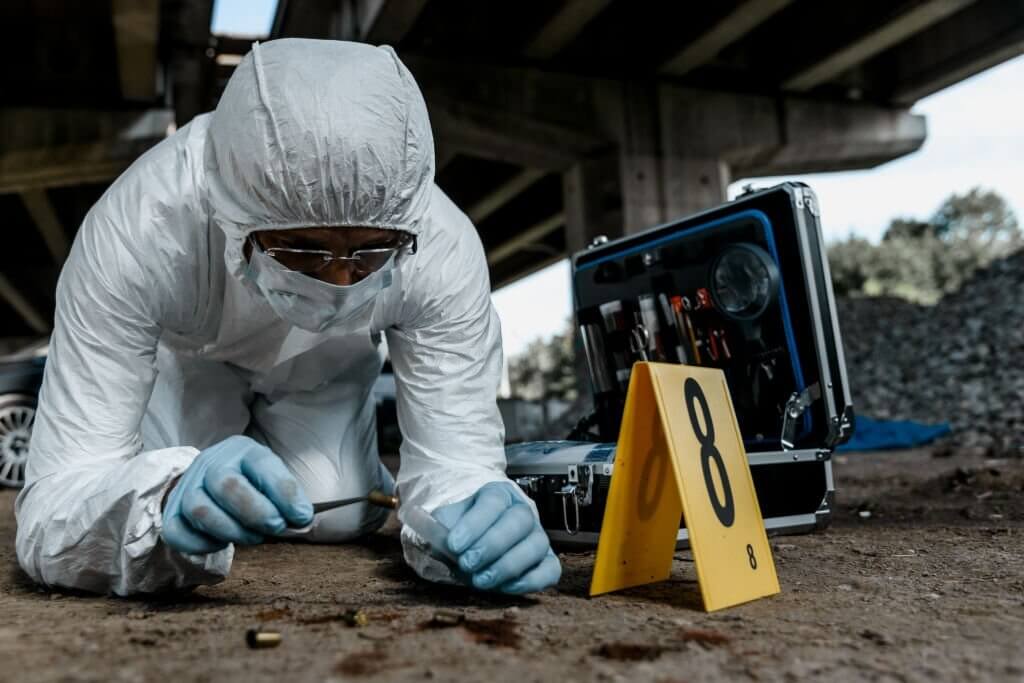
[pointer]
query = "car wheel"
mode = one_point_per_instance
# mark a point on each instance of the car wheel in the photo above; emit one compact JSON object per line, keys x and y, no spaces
{"x":17,"y":413}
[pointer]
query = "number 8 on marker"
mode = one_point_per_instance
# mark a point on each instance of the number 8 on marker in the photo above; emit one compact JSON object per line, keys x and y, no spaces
{"x":724,"y":510}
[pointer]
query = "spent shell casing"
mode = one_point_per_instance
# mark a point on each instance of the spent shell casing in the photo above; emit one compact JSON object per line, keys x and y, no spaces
{"x":260,"y":640}
{"x":382,"y":499}
{"x":355,"y":617}
{"x":443,"y":618}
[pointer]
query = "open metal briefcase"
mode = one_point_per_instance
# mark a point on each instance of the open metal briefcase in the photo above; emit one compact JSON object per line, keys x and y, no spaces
{"x":744,"y":287}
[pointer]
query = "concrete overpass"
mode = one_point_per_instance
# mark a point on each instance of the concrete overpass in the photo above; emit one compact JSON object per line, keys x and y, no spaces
{"x":85,"y":88}
{"x":555,"y":121}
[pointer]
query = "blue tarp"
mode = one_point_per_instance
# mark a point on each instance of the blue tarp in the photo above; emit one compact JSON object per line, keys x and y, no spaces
{"x":878,"y":435}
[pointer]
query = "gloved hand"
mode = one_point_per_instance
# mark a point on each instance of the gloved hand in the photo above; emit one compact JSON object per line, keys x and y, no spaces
{"x":236,"y":491}
{"x":499,"y":542}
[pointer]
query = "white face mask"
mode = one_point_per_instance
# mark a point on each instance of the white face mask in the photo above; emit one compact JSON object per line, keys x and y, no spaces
{"x":312,"y":304}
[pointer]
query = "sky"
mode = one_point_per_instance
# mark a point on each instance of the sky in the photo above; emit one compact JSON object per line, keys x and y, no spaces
{"x":243,"y":17}
{"x":975,"y":138}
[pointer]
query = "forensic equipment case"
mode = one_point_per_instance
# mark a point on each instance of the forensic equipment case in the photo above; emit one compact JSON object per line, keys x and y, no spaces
{"x":744,"y":287}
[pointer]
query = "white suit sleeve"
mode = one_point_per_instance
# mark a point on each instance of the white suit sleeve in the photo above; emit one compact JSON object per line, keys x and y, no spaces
{"x":89,"y":516}
{"x":447,"y":361}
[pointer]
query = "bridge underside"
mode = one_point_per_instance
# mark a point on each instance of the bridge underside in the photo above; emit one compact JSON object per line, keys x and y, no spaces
{"x":554,"y":121}
{"x":558,"y":121}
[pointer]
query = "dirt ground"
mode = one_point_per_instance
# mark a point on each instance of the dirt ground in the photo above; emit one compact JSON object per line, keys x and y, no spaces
{"x":920,"y":578}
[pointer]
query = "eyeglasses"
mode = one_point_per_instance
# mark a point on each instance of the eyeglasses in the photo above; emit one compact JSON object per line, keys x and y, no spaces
{"x":312,"y":261}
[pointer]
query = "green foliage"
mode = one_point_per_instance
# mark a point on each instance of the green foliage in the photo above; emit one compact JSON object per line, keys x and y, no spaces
{"x":850,"y":261}
{"x":546,"y":369}
{"x":923,"y":260}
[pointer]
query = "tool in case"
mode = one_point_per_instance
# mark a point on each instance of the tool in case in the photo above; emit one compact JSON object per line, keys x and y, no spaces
{"x":744,"y":287}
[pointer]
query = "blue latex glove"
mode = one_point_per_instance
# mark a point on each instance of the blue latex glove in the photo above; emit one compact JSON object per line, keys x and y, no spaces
{"x":236,"y":491}
{"x":499,"y":542}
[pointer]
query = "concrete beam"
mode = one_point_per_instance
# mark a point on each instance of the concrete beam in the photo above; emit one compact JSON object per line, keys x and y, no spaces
{"x":33,"y":316}
{"x":28,"y":170}
{"x":822,"y":136}
{"x":51,"y":148}
{"x":969,"y":65}
{"x":757,"y":135}
{"x":39,"y":206}
{"x":136,"y":31}
{"x":387,"y":21}
{"x":502,"y":136}
{"x":527,"y":93}
{"x":985,"y":34}
{"x":672,"y":150}
{"x":502,"y":195}
{"x":733,"y":26}
{"x":563,"y":27}
{"x":522,"y":239}
{"x":883,"y":37}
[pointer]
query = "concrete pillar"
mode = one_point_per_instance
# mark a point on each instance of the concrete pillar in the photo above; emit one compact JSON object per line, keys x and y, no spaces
{"x":640,"y":158}
{"x":671,"y":152}
{"x":693,"y":184}
{"x":592,"y":195}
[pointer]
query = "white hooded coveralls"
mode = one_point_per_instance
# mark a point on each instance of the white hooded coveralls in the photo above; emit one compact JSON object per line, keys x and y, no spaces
{"x":161,"y":347}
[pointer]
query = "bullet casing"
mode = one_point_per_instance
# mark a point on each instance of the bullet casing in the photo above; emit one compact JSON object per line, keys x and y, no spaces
{"x":382,"y":499}
{"x":262,"y":640}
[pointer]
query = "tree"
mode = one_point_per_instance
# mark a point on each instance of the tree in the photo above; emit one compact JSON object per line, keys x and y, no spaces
{"x":978,"y":227}
{"x":546,"y":369}
{"x":978,"y":216}
{"x":849,"y":261}
{"x":908,"y":228}
{"x":923,"y":260}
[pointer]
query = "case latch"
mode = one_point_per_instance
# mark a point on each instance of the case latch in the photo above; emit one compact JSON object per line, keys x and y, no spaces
{"x":796,"y":406}
{"x":580,"y":490}
{"x":583,"y":477}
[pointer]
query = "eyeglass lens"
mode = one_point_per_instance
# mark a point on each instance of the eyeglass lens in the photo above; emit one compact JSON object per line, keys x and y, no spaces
{"x":366,"y":261}
{"x":301,"y":262}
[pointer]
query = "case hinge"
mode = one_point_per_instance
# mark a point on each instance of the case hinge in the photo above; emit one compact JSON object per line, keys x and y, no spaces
{"x":795,"y":408}
{"x":805,"y":199}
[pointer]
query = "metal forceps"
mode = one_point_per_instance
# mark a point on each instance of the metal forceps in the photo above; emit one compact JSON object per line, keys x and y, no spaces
{"x":375,"y":497}
{"x":639,"y":338}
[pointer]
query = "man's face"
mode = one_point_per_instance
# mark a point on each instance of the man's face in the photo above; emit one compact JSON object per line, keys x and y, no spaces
{"x":341,"y":241}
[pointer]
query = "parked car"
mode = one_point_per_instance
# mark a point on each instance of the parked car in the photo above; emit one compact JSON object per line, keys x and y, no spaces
{"x":389,"y":438}
{"x":21,"y":373}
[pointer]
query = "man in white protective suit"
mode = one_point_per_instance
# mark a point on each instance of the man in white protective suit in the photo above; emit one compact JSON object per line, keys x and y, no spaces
{"x":219,"y":328}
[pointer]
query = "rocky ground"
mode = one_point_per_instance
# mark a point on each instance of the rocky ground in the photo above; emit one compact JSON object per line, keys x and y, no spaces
{"x":920,"y":578}
{"x":960,"y":361}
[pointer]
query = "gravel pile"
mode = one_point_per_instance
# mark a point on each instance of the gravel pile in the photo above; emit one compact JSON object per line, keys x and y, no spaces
{"x":960,"y":361}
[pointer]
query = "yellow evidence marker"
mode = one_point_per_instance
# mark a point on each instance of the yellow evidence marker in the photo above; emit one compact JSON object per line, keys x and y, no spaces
{"x":680,"y":454}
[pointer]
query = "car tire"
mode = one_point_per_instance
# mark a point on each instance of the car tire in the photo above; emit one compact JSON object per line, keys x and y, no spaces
{"x":17,"y":414}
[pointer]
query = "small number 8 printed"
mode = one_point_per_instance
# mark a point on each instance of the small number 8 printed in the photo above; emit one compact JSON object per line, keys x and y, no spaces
{"x":750,"y":556}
